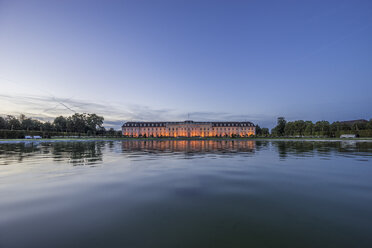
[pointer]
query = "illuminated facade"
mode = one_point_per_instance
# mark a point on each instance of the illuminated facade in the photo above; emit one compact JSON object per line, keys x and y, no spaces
{"x":188,"y":129}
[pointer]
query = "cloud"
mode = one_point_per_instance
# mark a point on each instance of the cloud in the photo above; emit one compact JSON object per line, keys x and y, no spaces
{"x":46,"y":108}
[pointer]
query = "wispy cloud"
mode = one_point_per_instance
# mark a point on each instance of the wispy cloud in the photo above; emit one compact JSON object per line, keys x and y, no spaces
{"x":48,"y":107}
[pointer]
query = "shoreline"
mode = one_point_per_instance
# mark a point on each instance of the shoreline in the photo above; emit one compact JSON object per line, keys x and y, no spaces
{"x":182,"y":139}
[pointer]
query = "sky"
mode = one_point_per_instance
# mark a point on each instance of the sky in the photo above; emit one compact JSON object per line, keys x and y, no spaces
{"x":176,"y":60}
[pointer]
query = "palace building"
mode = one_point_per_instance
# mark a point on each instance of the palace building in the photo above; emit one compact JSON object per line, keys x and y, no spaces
{"x":188,"y":129}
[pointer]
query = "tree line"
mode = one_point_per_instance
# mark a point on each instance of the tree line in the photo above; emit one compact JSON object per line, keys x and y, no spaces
{"x":90,"y":124}
{"x":321,"y":128}
{"x":265,"y":132}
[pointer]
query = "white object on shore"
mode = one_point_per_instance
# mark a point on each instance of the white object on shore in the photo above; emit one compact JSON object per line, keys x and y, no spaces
{"x":348,"y":136}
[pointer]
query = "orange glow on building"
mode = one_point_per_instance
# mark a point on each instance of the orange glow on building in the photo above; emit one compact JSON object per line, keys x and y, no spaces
{"x":188,"y":129}
{"x":206,"y":146}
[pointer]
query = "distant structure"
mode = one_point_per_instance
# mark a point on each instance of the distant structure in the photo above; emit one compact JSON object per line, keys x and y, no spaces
{"x":348,"y":136}
{"x":353,"y":122}
{"x":33,"y":137}
{"x":188,"y":128}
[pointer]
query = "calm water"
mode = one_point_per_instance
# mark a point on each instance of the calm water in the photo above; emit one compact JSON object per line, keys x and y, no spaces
{"x":186,"y":194}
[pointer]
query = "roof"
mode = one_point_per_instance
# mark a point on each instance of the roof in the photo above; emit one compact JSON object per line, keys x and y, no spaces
{"x":164,"y":123}
{"x":353,"y":121}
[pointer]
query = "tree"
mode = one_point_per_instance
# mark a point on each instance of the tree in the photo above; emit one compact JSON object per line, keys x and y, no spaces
{"x":289,"y":129}
{"x":322,"y":127}
{"x":258,"y":130}
{"x":47,"y":126}
{"x":3,"y":124}
{"x":265,"y":132}
{"x":22,"y":117}
{"x":279,"y":129}
{"x":37,"y":125}
{"x":83,"y":123}
{"x":369,"y":124}
{"x":111,"y":132}
{"x":359,"y":126}
{"x":28,"y":124}
{"x":13,"y":122}
{"x":76,"y":123}
{"x":309,"y":126}
{"x":101,"y":131}
{"x":93,"y":122}
{"x":299,"y":127}
{"x":60,"y":124}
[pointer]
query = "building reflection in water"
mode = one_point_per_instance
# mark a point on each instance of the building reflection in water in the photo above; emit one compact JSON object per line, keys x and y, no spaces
{"x":88,"y":153}
{"x":189,"y":146}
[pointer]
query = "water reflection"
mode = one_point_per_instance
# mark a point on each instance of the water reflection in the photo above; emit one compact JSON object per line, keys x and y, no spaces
{"x":78,"y":153}
{"x":87,"y":153}
{"x":225,"y":193}
{"x":190,"y":146}
{"x":10,"y":152}
{"x":287,"y":149}
{"x":75,"y":153}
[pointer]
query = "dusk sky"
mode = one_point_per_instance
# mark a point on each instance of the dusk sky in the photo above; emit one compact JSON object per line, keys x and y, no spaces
{"x":162,"y":60}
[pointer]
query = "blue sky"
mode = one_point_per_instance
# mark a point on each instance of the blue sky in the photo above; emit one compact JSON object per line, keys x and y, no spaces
{"x":160,"y":60}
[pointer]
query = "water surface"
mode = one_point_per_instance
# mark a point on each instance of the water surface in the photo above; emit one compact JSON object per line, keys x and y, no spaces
{"x":186,"y":194}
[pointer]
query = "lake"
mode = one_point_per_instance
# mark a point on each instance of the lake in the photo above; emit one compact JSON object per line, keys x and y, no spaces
{"x":186,"y":194}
